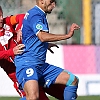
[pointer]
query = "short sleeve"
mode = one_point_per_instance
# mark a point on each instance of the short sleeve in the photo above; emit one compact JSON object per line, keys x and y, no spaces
{"x":37,"y":24}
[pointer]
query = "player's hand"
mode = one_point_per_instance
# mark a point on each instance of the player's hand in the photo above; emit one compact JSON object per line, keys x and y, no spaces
{"x":52,"y":45}
{"x":18,"y":49}
{"x":72,"y":28}
{"x":19,"y":35}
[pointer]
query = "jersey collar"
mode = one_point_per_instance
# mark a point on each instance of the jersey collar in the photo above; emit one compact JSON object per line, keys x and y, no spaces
{"x":42,"y":12}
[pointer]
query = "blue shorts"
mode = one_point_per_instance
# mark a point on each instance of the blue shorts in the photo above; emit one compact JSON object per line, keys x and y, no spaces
{"x":45,"y":74}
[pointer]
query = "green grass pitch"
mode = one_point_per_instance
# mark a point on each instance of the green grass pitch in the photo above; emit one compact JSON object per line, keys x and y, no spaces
{"x":51,"y":98}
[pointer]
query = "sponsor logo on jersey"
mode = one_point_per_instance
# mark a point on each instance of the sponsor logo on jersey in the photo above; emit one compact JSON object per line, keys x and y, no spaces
{"x":39,"y":26}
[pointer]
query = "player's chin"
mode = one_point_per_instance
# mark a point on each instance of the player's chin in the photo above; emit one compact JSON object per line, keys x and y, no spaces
{"x":49,"y":12}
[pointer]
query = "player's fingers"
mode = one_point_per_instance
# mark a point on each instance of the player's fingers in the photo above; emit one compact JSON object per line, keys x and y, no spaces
{"x":51,"y":50}
{"x":75,"y":25}
{"x":20,"y":46}
{"x":20,"y":51}
{"x":57,"y":46}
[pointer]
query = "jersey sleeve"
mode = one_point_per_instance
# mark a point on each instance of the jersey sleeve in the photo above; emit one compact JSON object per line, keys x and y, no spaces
{"x":37,"y":24}
{"x":6,"y":53}
{"x":17,"y":19}
{"x":14,"y":20}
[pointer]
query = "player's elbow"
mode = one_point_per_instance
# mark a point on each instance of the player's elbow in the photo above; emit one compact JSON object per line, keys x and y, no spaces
{"x":41,"y":36}
{"x":42,"y":40}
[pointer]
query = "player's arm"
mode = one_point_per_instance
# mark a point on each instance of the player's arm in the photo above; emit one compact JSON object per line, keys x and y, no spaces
{"x":6,"y":54}
{"x":49,"y":37}
{"x":52,"y":45}
{"x":14,"y":20}
{"x":12,"y":52}
{"x":17,"y":19}
{"x":42,"y":31}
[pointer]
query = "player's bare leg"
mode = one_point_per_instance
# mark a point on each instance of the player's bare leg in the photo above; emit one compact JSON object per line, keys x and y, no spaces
{"x":31,"y":90}
{"x":71,"y":83}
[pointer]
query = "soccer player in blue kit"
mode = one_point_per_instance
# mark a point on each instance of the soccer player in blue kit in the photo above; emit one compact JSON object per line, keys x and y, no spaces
{"x":31,"y":68}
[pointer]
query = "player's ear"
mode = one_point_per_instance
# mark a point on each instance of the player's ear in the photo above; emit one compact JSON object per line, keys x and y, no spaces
{"x":42,"y":1}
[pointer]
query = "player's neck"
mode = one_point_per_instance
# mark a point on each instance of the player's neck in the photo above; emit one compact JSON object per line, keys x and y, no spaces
{"x":40,"y":8}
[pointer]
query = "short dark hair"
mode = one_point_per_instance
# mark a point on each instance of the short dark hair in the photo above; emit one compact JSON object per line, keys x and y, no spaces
{"x":53,"y":1}
{"x":0,"y":8}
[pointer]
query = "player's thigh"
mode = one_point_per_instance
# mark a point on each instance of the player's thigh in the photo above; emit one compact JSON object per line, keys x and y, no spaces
{"x":62,"y":78}
{"x":31,"y":87}
{"x":66,"y":78}
{"x":50,"y":73}
{"x":28,"y":77}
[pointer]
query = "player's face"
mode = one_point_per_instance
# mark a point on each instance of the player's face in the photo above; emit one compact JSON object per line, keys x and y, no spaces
{"x":1,"y":19}
{"x":49,"y":5}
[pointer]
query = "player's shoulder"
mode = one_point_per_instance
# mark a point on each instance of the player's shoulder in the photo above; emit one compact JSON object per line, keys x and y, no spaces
{"x":6,"y":19}
{"x":33,"y":14}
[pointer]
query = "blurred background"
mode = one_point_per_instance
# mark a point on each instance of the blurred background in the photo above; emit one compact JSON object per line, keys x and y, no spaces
{"x":83,"y":12}
{"x":79,"y":54}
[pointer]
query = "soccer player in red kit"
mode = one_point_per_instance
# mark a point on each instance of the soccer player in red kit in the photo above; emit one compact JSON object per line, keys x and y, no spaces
{"x":8,"y":48}
{"x":9,"y":40}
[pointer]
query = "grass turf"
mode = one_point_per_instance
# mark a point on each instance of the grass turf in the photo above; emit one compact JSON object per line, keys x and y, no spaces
{"x":51,"y":98}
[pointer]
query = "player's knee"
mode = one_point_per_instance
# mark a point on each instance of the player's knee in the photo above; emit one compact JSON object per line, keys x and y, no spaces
{"x":32,"y":96}
{"x":73,"y":80}
{"x":76,"y":80}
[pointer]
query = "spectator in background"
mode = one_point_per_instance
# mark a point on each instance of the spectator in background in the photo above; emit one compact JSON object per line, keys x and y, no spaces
{"x":31,"y":67}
